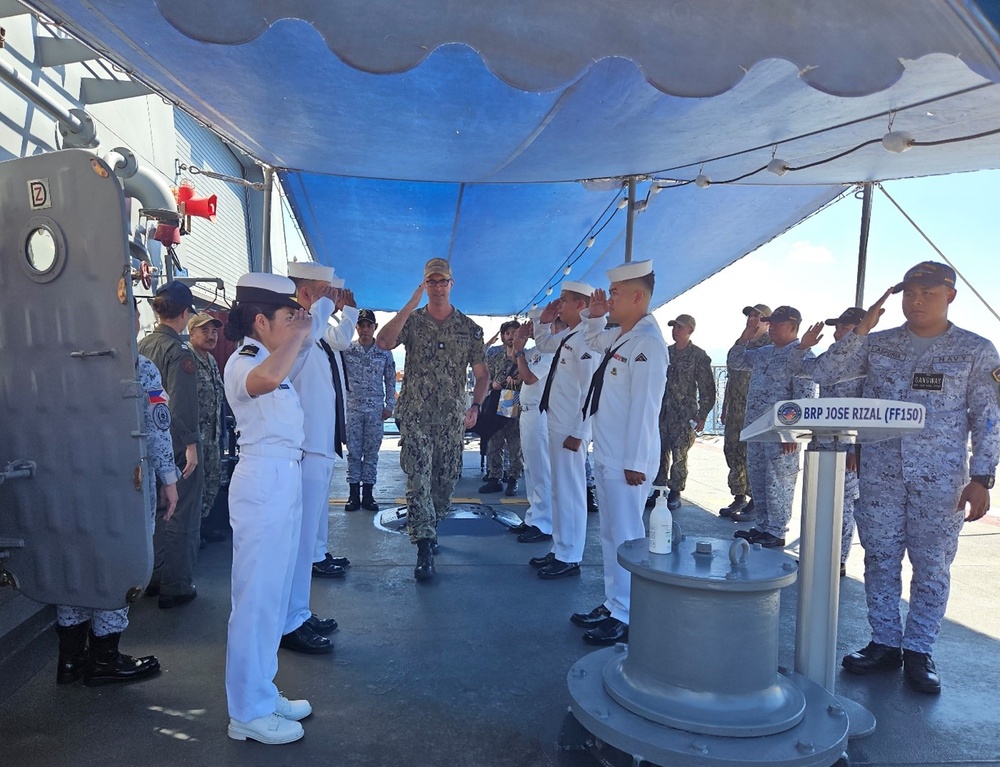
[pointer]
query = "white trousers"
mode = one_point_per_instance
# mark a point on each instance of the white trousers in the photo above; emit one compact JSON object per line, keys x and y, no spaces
{"x":621,"y":507}
{"x":537,"y":470}
{"x":265,"y":510}
{"x":317,"y":471}
{"x":569,"y":499}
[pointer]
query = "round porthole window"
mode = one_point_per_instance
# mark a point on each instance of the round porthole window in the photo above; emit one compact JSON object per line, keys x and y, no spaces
{"x":41,"y":250}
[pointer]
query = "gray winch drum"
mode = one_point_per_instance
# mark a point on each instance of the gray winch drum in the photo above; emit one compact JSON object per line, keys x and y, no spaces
{"x":703,"y":639}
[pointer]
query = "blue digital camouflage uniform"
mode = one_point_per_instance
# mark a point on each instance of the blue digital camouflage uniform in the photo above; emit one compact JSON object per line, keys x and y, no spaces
{"x":734,"y":408}
{"x":160,"y":459}
{"x":431,"y":411}
{"x":509,"y":435}
{"x":210,"y":397}
{"x":688,"y":395}
{"x":772,"y":472}
{"x":371,"y":373}
{"x":910,"y":486}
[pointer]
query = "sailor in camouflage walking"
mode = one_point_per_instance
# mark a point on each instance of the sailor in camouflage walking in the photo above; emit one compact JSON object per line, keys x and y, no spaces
{"x":371,"y":398}
{"x":203,"y":336}
{"x":915,"y":489}
{"x":688,"y":398}
{"x":440,"y":343}
{"x":502,"y":368}
{"x":773,"y":467}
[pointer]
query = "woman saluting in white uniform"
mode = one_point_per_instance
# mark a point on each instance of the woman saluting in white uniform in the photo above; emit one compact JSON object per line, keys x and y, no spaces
{"x":265,"y":502}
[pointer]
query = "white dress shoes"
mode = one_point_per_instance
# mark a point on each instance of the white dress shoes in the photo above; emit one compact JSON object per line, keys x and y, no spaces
{"x":293,"y":710}
{"x":272,"y":729}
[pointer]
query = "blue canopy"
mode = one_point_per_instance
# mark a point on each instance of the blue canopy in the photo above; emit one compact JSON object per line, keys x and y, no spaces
{"x":403,"y":132}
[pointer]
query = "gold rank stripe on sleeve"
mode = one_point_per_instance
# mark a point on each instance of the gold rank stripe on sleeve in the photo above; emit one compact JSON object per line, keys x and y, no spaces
{"x":249,"y":351}
{"x":996,"y":375}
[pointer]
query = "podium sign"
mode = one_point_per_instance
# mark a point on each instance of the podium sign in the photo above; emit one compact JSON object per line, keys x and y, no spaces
{"x":836,"y":419}
{"x":866,"y":420}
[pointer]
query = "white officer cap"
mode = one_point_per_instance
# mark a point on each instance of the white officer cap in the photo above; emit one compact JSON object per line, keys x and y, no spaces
{"x":577,"y":287}
{"x":630,"y":270}
{"x":307,"y":270}
{"x":266,"y":288}
{"x":335,"y":281}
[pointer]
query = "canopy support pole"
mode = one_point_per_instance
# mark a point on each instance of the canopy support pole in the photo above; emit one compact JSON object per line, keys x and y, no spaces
{"x":630,"y":220}
{"x":265,"y":228}
{"x":866,"y":220}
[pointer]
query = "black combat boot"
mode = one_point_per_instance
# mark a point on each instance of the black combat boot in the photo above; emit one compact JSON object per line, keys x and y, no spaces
{"x":105,"y":665}
{"x":425,"y":560}
{"x":367,"y":499}
{"x":72,"y":652}
{"x":354,"y":502}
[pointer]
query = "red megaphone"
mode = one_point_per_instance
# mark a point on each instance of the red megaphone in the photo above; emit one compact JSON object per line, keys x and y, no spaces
{"x":167,"y":234}
{"x":202,"y":207}
{"x":184,"y":192}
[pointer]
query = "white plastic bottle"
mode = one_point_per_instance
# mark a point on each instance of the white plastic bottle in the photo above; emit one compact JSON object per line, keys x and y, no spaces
{"x":661,"y":525}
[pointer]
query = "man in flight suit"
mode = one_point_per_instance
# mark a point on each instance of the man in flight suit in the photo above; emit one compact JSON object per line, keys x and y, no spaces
{"x":176,"y":541}
{"x":915,"y":489}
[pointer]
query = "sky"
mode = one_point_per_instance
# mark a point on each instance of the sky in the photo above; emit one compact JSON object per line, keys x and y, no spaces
{"x":813,"y":266}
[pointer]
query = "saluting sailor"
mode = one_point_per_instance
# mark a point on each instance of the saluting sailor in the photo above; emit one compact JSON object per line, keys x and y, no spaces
{"x":561,"y":400}
{"x":623,"y":405}
{"x":914,"y":489}
{"x":318,"y":379}
{"x":265,"y":502}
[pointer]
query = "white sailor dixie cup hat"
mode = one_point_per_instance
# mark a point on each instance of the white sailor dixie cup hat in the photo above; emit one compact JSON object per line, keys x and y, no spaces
{"x":630,"y":270}
{"x":307,"y":270}
{"x":577,"y":287}
{"x":258,"y":287}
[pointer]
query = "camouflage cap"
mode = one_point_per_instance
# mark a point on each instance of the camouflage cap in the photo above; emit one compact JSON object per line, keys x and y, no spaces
{"x":683,"y":319}
{"x":437,"y":266}
{"x":762,"y":309}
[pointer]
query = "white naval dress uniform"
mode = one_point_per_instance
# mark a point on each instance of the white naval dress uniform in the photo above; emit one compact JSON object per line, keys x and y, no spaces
{"x":535,"y":444}
{"x":567,"y":390}
{"x":313,"y":380}
{"x":626,"y":437}
{"x":265,"y":509}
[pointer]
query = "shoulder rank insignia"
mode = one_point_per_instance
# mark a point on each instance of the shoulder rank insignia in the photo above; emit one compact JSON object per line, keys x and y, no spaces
{"x":586,"y":356}
{"x":249,"y":351}
{"x":641,"y":358}
{"x":996,"y":375}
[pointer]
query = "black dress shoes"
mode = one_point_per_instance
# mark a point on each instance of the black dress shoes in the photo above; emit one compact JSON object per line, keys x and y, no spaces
{"x":558,"y":569}
{"x":321,"y":626}
{"x":533,"y":534}
{"x":920,"y":673}
{"x":307,"y":641}
{"x":539,"y":562}
{"x":328,"y":568}
{"x":338,"y":561}
{"x":612,"y":631}
{"x":873,"y":658}
{"x":168,"y":601}
{"x":511,"y":487}
{"x":491,"y":486}
{"x":595,"y":617}
{"x":518,"y":529}
{"x":592,"y":507}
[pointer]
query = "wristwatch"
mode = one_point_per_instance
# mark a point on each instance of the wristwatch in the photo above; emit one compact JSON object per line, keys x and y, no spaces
{"x":476,"y":405}
{"x":519,"y":354}
{"x":986,"y":480}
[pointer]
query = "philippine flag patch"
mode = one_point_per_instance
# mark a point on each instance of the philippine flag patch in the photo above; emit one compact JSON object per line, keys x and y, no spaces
{"x":157,"y":397}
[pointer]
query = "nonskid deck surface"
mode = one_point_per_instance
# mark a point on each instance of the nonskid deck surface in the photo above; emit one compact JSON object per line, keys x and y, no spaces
{"x":471,"y":668}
